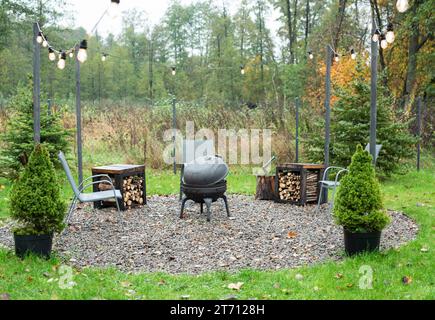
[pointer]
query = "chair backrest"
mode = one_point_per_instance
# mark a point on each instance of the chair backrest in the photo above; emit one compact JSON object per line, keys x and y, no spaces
{"x":68,"y":173}
{"x":194,"y":149}
{"x":378,"y":149}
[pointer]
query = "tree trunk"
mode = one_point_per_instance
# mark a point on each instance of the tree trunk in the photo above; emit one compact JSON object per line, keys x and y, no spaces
{"x":340,"y":18}
{"x":307,"y":24}
{"x":265,"y":188}
{"x":290,"y":31}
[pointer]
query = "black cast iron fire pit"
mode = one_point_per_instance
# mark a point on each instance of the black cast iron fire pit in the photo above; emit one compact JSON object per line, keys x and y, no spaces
{"x":204,"y":182}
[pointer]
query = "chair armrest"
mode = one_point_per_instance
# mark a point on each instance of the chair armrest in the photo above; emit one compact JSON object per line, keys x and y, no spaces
{"x":95,"y":182}
{"x":329,"y":168}
{"x":96,"y":176}
{"x":338,"y":174}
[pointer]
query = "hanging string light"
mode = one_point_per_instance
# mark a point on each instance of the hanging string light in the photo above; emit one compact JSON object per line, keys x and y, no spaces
{"x":45,"y":42}
{"x":384,"y":43}
{"x":376,"y":35}
{"x":402,"y":5}
{"x":51,"y":54}
{"x":104,"y":57}
{"x":242,"y":69}
{"x":353,"y":54}
{"x":62,"y":61}
{"x":174,"y":71}
{"x":114,"y":9}
{"x":310,"y":55}
{"x":71,"y":54}
{"x":39,"y":38}
{"x":337,"y":57}
{"x":390,"y":37}
{"x":82,"y":55}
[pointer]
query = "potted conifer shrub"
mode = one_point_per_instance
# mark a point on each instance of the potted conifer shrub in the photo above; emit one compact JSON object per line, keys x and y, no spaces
{"x":36,"y":205}
{"x":358,"y":206}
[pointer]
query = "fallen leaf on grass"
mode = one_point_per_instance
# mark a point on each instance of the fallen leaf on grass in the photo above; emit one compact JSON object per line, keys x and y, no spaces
{"x":29,"y":279}
{"x":349,"y":285}
{"x":185,"y":297}
{"x":424,"y":249}
{"x":125,"y":284}
{"x":339,"y":276}
{"x":277,"y":286}
{"x":235,"y":286}
{"x":161,"y":282}
{"x":5,"y":296}
{"x":291,"y":235}
{"x":406,"y":280}
{"x":231,"y":297}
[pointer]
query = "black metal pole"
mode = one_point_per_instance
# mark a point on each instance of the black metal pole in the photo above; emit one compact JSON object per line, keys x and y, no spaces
{"x":329,"y":52}
{"x":79,"y":120}
{"x":373,"y":95}
{"x":297,"y":129}
{"x":36,"y":86}
{"x":174,"y":128}
{"x":418,"y":132}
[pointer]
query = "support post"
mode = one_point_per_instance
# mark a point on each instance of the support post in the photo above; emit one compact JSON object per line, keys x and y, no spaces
{"x":36,"y":86}
{"x":329,"y":52}
{"x":373,"y":93}
{"x":79,"y":120}
{"x":418,"y":132}
{"x":297,"y":105}
{"x":49,"y":107}
{"x":174,"y":128}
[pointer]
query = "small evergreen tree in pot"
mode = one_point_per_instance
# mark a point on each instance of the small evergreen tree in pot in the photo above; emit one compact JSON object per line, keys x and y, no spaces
{"x":36,"y":205}
{"x":358,"y":205}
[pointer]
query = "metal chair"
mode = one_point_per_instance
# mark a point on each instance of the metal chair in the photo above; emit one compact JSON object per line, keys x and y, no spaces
{"x":88,"y":197}
{"x":330,"y":184}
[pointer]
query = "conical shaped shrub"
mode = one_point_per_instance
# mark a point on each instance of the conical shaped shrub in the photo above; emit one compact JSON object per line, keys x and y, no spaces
{"x":358,"y":205}
{"x":35,"y":200}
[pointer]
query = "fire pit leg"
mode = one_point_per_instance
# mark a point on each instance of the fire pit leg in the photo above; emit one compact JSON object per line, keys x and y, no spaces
{"x":226,"y":206}
{"x":208,"y":202}
{"x":182,"y":207}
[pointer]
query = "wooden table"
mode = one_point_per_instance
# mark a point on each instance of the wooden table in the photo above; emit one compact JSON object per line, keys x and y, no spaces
{"x":129,"y":179}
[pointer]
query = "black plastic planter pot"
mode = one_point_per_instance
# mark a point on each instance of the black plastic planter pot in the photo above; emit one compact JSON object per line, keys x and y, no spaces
{"x":38,"y":245}
{"x":355,"y":243}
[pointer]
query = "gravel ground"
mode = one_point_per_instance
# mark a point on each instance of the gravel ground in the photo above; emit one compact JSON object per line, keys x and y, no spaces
{"x":260,"y":235}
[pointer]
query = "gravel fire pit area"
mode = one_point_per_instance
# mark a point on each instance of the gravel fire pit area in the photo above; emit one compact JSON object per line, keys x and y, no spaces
{"x":259,"y":235}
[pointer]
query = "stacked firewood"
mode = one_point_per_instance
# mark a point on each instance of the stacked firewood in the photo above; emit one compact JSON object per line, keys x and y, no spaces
{"x":289,"y":186}
{"x":133,"y":191}
{"x":312,"y":186}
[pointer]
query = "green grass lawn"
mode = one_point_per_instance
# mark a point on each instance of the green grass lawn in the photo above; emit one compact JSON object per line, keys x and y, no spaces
{"x":413,"y":193}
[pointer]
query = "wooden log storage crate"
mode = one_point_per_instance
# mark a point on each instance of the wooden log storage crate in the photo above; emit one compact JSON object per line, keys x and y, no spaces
{"x":129,"y":179}
{"x":298,"y":183}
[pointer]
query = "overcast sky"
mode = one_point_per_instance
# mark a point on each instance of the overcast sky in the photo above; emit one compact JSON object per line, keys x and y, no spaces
{"x":87,"y":12}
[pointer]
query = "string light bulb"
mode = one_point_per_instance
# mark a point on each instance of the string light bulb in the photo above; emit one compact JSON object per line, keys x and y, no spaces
{"x":402,"y":5}
{"x":103,"y":57}
{"x":353,"y":54}
{"x":51,"y":54}
{"x":242,"y":70}
{"x":384,"y":43}
{"x":390,"y":37}
{"x":114,"y":8}
{"x":71,"y":54}
{"x":82,"y":55}
{"x":39,"y":38}
{"x":61,"y":62}
{"x":45,"y":42}
{"x":337,"y":58}
{"x":174,"y":71}
{"x":376,"y":35}
{"x":310,"y":55}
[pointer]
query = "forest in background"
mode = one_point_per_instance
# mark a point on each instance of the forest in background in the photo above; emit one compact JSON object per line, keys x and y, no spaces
{"x":208,"y":45}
